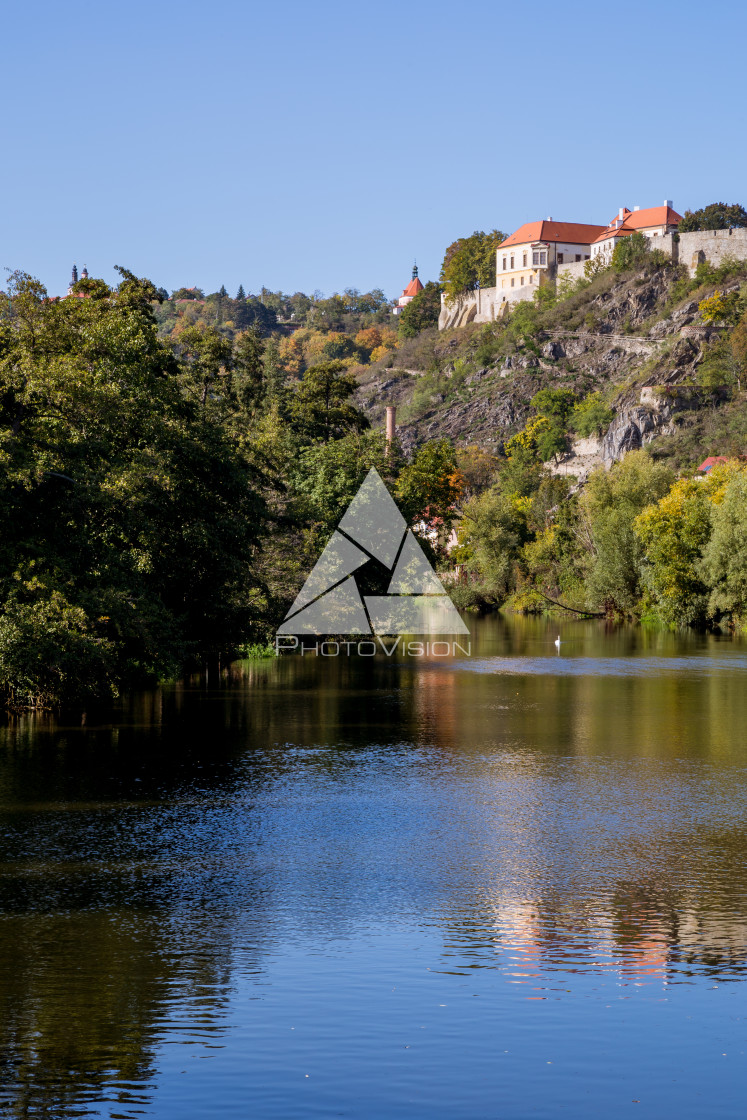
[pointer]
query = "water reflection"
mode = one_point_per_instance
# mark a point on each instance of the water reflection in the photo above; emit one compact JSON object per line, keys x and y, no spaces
{"x":570,"y":833}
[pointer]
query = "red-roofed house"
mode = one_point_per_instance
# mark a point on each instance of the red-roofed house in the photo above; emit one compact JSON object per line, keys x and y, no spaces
{"x":654,"y":222}
{"x":532,"y":254}
{"x":711,"y":461}
{"x":409,"y":293}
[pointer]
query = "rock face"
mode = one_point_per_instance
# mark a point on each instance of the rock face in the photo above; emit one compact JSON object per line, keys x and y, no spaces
{"x":618,"y":337}
{"x":629,"y":431}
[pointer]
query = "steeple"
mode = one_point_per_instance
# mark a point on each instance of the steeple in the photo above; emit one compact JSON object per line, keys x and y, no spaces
{"x":415,"y":271}
{"x":84,"y":273}
{"x":74,"y":279}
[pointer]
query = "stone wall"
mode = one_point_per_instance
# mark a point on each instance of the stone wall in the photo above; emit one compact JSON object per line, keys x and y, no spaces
{"x":713,"y":245}
{"x":481,"y":306}
{"x":573,"y":271}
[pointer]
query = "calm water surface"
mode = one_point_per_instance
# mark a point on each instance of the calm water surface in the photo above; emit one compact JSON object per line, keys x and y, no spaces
{"x":510,"y":885}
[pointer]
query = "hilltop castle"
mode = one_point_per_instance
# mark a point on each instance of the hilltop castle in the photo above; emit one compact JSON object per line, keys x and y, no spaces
{"x":540,"y":253}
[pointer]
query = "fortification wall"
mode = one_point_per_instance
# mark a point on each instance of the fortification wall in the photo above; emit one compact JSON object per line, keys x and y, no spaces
{"x":714,"y":245}
{"x":481,"y":306}
{"x":573,"y":271}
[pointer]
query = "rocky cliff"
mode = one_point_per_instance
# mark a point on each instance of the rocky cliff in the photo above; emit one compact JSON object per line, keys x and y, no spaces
{"x":630,"y":338}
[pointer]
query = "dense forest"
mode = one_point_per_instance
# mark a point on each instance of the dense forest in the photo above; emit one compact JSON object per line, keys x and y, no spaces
{"x":162,"y":498}
{"x":173,"y":466}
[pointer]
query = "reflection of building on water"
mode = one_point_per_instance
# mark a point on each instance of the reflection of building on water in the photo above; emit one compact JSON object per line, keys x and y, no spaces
{"x":536,"y":942}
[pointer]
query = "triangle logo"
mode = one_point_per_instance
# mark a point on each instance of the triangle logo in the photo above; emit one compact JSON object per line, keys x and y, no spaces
{"x":372,"y":528}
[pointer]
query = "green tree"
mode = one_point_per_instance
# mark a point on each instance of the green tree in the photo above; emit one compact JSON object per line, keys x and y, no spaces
{"x":717,"y":215}
{"x":130,"y":514}
{"x":724,"y":563}
{"x":610,"y":503}
{"x":591,"y":416}
{"x":240,"y":294}
{"x":422,"y":312}
{"x":630,"y":252}
{"x":492,"y":533}
{"x":555,"y":404}
{"x":249,"y":370}
{"x":673,"y":533}
{"x":469,"y":263}
{"x":207,"y":361}
{"x":321,"y":408}
{"x":327,"y":476}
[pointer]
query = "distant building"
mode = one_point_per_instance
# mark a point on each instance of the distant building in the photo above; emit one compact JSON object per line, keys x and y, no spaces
{"x":709,"y":463}
{"x":74,"y":280}
{"x":654,"y":222}
{"x":409,"y":293}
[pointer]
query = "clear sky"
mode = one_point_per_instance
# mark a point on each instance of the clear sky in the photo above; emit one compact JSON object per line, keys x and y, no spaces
{"x":325,"y":145}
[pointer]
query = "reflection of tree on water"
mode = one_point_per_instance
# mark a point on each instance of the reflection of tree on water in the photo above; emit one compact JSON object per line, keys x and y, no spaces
{"x":86,"y":997}
{"x":120,"y":917}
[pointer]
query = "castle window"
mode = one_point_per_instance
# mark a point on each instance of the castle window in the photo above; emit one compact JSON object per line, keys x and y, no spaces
{"x":522,"y":280}
{"x":543,"y":257}
{"x":504,"y":264}
{"x":512,"y":262}
{"x":535,"y":258}
{"x":530,"y":278}
{"x":560,"y":258}
{"x":578,"y":256}
{"x":512,"y":281}
{"x":524,"y":261}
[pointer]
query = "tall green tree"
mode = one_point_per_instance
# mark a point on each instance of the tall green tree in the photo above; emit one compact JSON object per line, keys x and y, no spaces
{"x":717,"y":215}
{"x":469,"y":263}
{"x":422,"y":312}
{"x":321,"y":407}
{"x":130,"y":515}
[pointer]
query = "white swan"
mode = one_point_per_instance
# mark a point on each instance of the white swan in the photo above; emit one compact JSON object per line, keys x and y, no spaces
{"x":557,"y":643}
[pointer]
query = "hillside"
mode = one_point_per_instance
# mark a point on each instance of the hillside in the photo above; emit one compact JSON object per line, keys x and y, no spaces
{"x":635,"y":338}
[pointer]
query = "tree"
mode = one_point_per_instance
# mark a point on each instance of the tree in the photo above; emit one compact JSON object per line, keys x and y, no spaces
{"x":544,"y":437}
{"x":162,"y":508}
{"x":188,"y":293}
{"x":491,"y":535}
{"x":321,"y":408}
{"x":721,"y":307}
{"x":469,"y":263}
{"x":630,"y":252}
{"x":248,"y":365}
{"x":591,"y":416}
{"x":555,"y":404}
{"x":241,"y":294}
{"x":675,"y":533}
{"x":717,"y":215}
{"x":421,"y":312}
{"x":724,"y":564}
{"x":327,"y":475}
{"x":207,"y":360}
{"x":610,"y":503}
{"x":429,"y":488}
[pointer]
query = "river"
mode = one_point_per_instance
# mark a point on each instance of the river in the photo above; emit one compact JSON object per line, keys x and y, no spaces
{"x":509,"y":884}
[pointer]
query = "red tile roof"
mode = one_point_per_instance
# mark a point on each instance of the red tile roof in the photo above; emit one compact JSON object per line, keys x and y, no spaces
{"x":711,"y":462}
{"x":634,"y":220}
{"x":412,"y":288}
{"x":572,"y":233}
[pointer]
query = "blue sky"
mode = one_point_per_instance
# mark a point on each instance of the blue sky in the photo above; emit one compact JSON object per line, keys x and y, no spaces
{"x":322,"y":146}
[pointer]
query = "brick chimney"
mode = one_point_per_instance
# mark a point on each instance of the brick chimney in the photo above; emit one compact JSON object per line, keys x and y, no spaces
{"x":391,"y":425}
